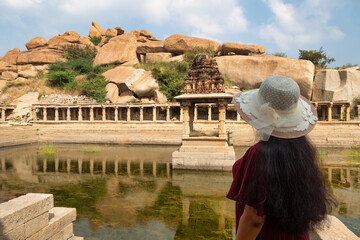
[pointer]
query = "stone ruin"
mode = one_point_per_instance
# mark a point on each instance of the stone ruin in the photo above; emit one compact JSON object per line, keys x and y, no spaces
{"x":204,"y":77}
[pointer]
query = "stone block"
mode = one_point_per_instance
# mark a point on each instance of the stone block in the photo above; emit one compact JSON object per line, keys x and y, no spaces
{"x":61,"y":218}
{"x":64,"y":234}
{"x":36,"y":224}
{"x":78,"y":238}
{"x":22,"y":209}
{"x":333,"y":230}
{"x":17,"y":233}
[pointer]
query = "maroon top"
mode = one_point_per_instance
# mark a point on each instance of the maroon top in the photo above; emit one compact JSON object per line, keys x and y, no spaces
{"x":246,"y":172}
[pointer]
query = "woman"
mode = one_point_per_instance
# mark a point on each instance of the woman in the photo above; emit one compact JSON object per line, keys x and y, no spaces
{"x":277,"y":184}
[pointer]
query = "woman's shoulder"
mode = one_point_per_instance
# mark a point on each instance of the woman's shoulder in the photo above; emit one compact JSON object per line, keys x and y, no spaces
{"x":248,"y":157}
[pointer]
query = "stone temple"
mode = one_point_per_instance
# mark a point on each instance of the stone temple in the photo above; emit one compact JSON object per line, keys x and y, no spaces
{"x":204,"y":84}
{"x":204,"y":77}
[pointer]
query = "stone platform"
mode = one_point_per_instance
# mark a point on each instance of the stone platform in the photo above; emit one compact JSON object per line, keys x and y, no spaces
{"x":204,"y":153}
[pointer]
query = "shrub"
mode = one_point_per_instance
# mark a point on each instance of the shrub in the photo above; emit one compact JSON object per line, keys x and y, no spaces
{"x":94,"y":87}
{"x":170,"y":76}
{"x":95,"y":40}
{"x":348,"y":65}
{"x":190,"y":56}
{"x":59,"y":66}
{"x":81,"y":65}
{"x":279,"y":54}
{"x":108,"y":39}
{"x":75,"y":51}
{"x":318,"y":58}
{"x":61,"y":78}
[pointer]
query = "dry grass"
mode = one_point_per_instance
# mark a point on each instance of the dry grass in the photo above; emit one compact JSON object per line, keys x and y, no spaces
{"x":16,"y":89}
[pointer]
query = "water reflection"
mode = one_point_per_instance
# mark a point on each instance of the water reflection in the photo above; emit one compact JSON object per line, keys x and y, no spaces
{"x":130,"y":192}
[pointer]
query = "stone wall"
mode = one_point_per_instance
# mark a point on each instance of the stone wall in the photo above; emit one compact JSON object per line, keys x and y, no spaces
{"x":325,"y":134}
{"x":34,"y":217}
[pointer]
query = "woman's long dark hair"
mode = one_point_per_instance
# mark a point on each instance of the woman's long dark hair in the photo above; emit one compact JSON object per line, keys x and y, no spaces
{"x":295,"y":194}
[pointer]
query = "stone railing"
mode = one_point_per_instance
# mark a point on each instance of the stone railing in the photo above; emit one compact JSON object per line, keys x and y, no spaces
{"x":34,"y":217}
{"x":107,"y":112}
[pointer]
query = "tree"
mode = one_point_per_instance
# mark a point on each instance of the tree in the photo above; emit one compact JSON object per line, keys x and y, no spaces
{"x":318,"y":58}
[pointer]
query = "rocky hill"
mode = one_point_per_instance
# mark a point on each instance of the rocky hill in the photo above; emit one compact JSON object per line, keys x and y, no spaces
{"x":244,"y":66}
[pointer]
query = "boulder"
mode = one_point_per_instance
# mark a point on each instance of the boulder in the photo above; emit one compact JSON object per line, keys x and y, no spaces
{"x":126,"y":99}
{"x":138,"y":81}
{"x":85,"y":40}
{"x":68,"y":37}
{"x":142,"y":39}
{"x":241,"y":49}
{"x":71,"y":36}
{"x":119,"y":49}
{"x":39,"y":57}
{"x":136,"y":33}
{"x":146,"y":34}
{"x":160,"y":97}
{"x":4,"y":66}
{"x":28,"y":73}
{"x":24,"y":104}
{"x":2,"y":84}
{"x":247,"y":72}
{"x":36,"y":42}
{"x":180,"y":44}
{"x":96,"y":30}
{"x":13,"y":51}
{"x":158,"y":57}
{"x":11,"y":57}
{"x":8,"y":75}
{"x":150,"y":47}
{"x":112,"y":92}
{"x":120,"y":30}
{"x":110,"y":32}
{"x":178,"y":58}
{"x":336,"y":85}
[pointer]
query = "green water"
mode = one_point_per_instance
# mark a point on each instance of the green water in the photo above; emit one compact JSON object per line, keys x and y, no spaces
{"x":131,"y":192}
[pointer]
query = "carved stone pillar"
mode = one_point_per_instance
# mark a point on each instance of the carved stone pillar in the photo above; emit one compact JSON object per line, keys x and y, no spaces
{"x":222,"y":114}
{"x":154,"y":113}
{"x":141,"y":168}
{"x":2,"y":114}
{"x":330,"y":174}
{"x":68,"y":114}
{"x":44,"y":114}
{"x":56,"y":114}
{"x":128,"y":117}
{"x":63,"y":114}
{"x":80,"y":163}
{"x":34,"y":115}
{"x":80,"y":114}
{"x":91,"y":113}
{"x":209,"y":112}
{"x":342,"y":111}
{"x":116,"y":114}
{"x":358,"y":111}
{"x":238,"y":117}
{"x":141,"y":113}
{"x":167,"y":113}
{"x":347,"y":112}
{"x":195,"y":112}
{"x":186,"y":130}
{"x":103,"y":113}
{"x":330,"y":112}
{"x":323,"y":112}
{"x":181,"y":114}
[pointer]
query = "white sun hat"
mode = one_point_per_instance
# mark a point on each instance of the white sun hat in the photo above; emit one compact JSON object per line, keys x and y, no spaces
{"x":277,"y":109}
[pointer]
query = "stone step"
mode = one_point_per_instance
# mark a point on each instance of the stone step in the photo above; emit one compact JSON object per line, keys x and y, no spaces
{"x":60,"y":223}
{"x":19,"y":216}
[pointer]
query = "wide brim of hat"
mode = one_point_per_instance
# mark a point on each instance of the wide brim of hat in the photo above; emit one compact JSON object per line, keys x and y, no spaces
{"x":288,"y":135}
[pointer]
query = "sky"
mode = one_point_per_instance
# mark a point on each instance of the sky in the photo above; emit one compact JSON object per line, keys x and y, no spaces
{"x":280,"y":25}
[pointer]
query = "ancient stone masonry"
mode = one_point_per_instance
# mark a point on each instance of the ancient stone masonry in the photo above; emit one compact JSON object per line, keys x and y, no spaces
{"x":34,"y":217}
{"x":204,"y":77}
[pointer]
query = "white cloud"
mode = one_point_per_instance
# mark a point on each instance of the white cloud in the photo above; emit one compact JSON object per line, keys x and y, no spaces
{"x":22,"y":3}
{"x":84,"y":6}
{"x":236,"y":20}
{"x":294,"y":26}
